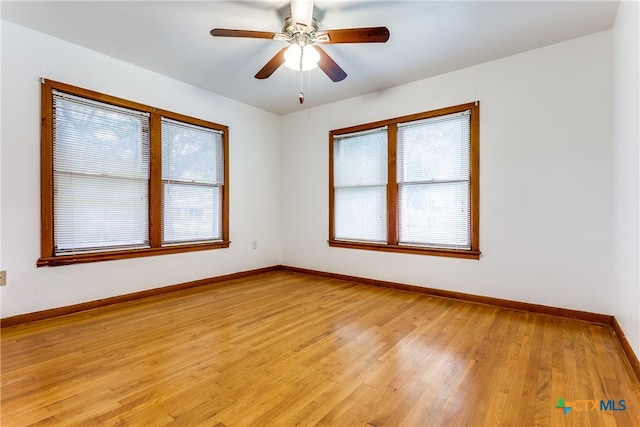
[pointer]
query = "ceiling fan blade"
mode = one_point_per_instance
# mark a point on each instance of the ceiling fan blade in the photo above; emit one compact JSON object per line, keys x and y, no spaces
{"x":302,"y":12}
{"x":223,"y":32}
{"x":358,"y":35}
{"x":329,"y":66}
{"x":272,"y":65}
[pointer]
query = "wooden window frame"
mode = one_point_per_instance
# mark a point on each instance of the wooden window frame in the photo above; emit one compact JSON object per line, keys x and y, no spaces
{"x":47,"y":250}
{"x":392,"y":186}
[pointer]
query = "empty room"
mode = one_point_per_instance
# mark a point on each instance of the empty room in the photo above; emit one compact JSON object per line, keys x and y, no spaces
{"x":417,"y":213}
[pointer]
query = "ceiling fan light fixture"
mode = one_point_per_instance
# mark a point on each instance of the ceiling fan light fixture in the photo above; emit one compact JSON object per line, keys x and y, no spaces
{"x":310,"y":57}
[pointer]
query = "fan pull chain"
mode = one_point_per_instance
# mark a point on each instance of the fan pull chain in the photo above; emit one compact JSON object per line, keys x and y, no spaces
{"x":309,"y":89}
{"x":301,"y":94}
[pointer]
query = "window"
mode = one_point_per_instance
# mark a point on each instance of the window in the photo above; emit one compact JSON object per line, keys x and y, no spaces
{"x":432,"y":204}
{"x":360,"y":186}
{"x":193,"y":182}
{"x":120,"y":179}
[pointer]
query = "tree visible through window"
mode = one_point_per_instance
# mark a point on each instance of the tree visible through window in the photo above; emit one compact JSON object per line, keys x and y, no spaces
{"x":408,"y":184}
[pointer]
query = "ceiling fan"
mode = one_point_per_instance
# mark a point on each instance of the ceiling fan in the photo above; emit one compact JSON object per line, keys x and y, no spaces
{"x":300,"y":30}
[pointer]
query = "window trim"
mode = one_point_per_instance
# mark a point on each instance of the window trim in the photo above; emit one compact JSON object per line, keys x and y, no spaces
{"x":48,"y":257}
{"x":392,"y":186}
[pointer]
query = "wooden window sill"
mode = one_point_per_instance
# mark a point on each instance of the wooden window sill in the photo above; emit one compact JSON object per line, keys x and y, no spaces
{"x":453,"y":253}
{"x":126,"y":254}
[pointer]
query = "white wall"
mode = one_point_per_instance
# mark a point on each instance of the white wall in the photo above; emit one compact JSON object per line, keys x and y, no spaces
{"x":254,"y":176}
{"x":626,"y":148}
{"x":545,"y":179}
{"x":1,"y":263}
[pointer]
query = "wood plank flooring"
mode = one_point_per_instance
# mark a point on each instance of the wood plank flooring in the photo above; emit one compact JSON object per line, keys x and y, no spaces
{"x":288,"y":349}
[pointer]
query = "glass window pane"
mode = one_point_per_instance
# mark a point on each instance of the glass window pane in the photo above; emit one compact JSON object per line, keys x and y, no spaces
{"x":435,"y":214}
{"x":360,"y":159}
{"x":101,"y":172}
{"x":99,"y":213}
{"x":191,"y":153}
{"x":89,"y":139}
{"x":360,"y":213}
{"x":434,"y":149}
{"x":191,"y":213}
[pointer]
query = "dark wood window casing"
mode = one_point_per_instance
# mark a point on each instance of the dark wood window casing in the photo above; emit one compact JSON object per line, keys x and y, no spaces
{"x":155,"y":245}
{"x":392,"y":243}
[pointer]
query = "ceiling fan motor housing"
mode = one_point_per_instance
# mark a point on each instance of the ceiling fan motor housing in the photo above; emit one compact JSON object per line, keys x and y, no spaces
{"x":291,"y":27}
{"x":301,"y":34}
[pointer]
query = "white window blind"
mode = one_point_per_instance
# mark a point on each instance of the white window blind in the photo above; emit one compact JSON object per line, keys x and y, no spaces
{"x":193,"y":180}
{"x":433,"y":178}
{"x":360,"y":186}
{"x":100,"y":176}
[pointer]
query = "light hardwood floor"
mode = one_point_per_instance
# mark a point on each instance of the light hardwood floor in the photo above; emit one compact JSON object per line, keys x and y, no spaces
{"x":285,"y":349}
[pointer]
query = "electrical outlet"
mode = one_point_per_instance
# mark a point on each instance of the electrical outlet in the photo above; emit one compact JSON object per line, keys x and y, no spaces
{"x":3,"y":278}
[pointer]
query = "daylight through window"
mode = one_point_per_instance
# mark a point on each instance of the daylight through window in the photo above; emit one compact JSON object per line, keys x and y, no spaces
{"x":121,"y":179}
{"x":408,"y":184}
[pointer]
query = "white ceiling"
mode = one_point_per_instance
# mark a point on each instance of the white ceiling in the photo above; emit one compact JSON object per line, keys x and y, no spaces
{"x":427,"y":38}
